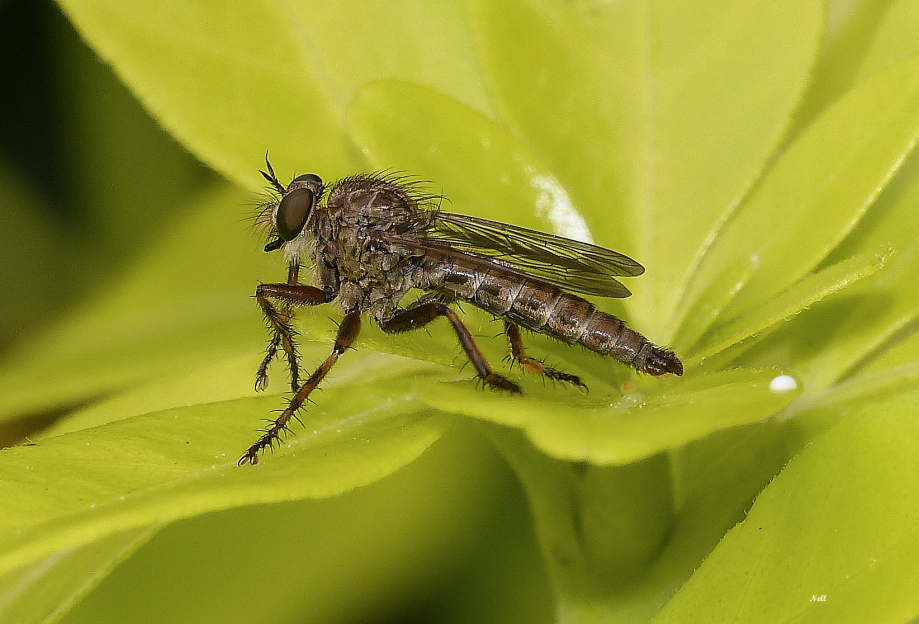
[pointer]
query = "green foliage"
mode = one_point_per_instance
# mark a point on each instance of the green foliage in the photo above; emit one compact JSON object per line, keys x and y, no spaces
{"x":767,"y":186}
{"x":878,"y":528}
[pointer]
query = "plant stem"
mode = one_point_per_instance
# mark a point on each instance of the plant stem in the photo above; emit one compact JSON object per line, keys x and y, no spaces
{"x":598,"y":526}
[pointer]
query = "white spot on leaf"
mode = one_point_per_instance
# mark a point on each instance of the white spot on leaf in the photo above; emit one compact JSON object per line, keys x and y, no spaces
{"x":783,"y":383}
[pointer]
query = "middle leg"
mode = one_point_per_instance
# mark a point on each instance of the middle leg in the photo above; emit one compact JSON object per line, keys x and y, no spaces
{"x":421,"y":313}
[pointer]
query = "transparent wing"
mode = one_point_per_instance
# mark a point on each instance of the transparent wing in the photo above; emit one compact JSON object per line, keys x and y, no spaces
{"x":569,"y":264}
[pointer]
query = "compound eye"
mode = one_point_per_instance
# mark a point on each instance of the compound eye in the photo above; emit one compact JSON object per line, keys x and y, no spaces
{"x":311,"y":178}
{"x":292,"y":213}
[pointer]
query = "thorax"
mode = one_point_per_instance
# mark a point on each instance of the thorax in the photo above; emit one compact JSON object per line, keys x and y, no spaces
{"x":372,"y":275}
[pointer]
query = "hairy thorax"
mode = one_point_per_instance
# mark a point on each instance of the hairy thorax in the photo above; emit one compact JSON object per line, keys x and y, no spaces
{"x":373,"y":275}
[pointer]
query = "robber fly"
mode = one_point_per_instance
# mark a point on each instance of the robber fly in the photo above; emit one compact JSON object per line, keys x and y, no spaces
{"x":371,"y":238}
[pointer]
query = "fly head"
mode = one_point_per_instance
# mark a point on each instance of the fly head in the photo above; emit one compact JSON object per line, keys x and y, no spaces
{"x":296,"y":205}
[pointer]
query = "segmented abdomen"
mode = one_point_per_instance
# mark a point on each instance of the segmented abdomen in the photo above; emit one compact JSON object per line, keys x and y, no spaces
{"x":545,"y":308}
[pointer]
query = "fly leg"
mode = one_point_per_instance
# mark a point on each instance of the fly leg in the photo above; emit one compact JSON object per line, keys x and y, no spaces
{"x":518,"y":354}
{"x":422,"y":312}
{"x":290,"y":294}
{"x":347,"y":333}
{"x":279,"y":323}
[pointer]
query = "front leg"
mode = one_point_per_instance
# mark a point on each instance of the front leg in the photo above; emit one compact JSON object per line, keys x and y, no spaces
{"x":347,"y":333}
{"x":290,"y":294}
{"x":279,"y":323}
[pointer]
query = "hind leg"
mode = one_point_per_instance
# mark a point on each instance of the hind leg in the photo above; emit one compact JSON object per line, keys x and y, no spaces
{"x":532,"y":365}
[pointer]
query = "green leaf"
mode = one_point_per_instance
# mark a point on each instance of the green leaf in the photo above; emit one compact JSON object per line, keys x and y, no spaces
{"x":708,"y":307}
{"x":428,"y":44}
{"x":820,"y":188}
{"x":127,"y":194}
{"x":882,"y":308}
{"x":893,"y":39}
{"x":721,"y":475}
{"x":231,"y":378}
{"x":269,"y":76}
{"x":215,"y":84}
{"x":25,"y":221}
{"x":42,"y":592}
{"x":850,"y":30}
{"x":903,"y":353}
{"x":634,"y":427}
{"x":71,"y":489}
{"x":840,"y":521}
{"x":872,"y":384}
{"x":803,"y":294}
{"x":603,"y":94}
{"x":428,"y":530}
{"x":718,"y":477}
{"x":184,"y":301}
